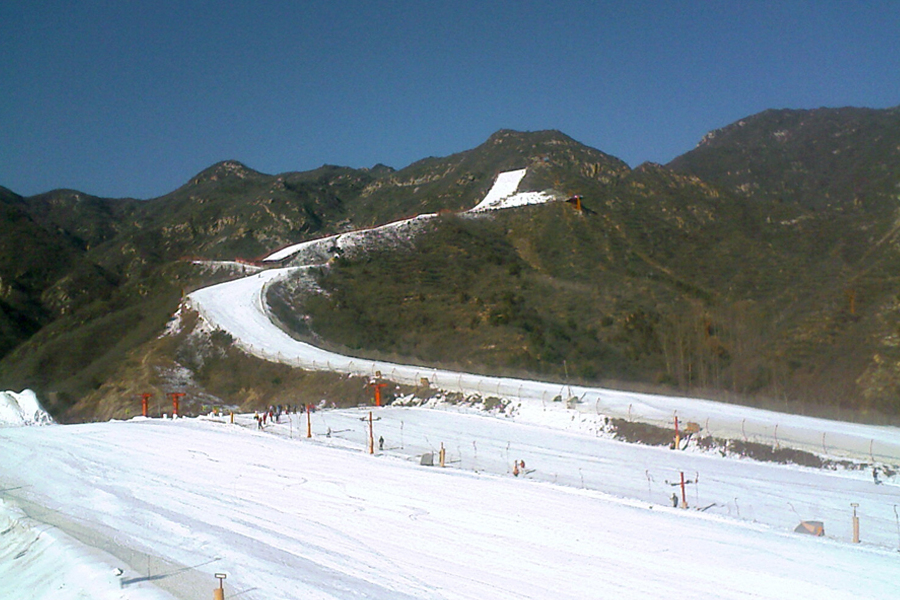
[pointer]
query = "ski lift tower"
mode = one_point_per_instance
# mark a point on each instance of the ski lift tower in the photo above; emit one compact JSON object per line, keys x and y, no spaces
{"x":377,"y":384}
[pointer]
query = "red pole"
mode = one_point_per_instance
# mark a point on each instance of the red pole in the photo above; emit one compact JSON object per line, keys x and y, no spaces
{"x":175,"y":397}
{"x":145,"y":398}
{"x":308,"y":421}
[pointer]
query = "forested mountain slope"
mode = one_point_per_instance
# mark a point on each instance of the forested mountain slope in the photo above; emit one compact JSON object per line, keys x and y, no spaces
{"x":758,"y":267}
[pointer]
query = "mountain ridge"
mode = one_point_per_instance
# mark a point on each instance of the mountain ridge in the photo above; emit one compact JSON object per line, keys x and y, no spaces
{"x":694,"y":276}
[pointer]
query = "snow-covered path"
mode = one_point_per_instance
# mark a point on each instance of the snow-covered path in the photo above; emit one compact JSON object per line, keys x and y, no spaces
{"x":238,"y":307}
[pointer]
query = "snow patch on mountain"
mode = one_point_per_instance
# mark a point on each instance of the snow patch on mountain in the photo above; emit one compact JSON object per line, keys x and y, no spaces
{"x":503,"y":193}
{"x":321,"y":250}
{"x":520,"y":199}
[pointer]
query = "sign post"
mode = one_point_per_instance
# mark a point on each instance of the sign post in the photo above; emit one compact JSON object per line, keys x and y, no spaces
{"x":219,"y":592}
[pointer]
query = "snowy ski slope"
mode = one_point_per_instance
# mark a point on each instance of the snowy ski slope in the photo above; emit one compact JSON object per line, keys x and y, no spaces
{"x":171,"y":503}
{"x":153,"y":508}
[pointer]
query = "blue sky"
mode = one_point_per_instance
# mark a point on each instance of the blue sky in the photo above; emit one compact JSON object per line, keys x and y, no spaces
{"x":131,"y":99}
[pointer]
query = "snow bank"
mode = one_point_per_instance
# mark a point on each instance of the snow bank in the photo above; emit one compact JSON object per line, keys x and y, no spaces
{"x":39,"y":561}
{"x":21,"y":409}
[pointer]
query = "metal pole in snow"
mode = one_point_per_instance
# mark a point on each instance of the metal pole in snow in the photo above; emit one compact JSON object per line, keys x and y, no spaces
{"x":896,"y":516}
{"x":697,"y":486}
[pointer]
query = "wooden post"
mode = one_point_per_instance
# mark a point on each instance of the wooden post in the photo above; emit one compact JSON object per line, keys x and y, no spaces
{"x":677,"y":438}
{"x":442,"y":454}
{"x":684,"y":503}
{"x":371,"y":435}
{"x":145,"y":399}
{"x":308,"y":421}
{"x":855,"y":523}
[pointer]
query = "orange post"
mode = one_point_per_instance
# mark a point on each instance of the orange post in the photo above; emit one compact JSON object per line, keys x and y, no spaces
{"x":145,"y":399}
{"x":176,"y":396}
{"x":377,"y":385}
{"x":677,"y":437}
{"x":308,"y":421}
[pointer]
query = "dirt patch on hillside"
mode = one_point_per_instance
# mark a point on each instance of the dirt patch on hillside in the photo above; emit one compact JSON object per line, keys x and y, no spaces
{"x":652,"y":435}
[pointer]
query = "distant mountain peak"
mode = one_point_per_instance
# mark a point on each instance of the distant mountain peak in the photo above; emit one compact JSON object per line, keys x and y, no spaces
{"x":541,"y":136}
{"x":224,"y":170}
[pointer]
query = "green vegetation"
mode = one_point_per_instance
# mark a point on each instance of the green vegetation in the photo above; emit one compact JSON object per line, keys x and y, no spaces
{"x":759,"y":268}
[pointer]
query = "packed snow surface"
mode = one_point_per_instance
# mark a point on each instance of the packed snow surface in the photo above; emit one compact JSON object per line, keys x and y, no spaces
{"x":284,"y":516}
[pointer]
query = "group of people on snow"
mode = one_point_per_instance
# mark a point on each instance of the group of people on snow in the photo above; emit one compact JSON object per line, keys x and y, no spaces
{"x":274,"y":412}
